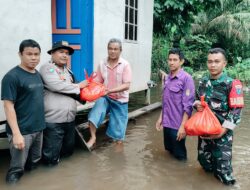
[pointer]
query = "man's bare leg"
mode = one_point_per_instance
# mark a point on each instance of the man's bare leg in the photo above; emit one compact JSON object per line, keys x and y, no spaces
{"x":92,"y":139}
{"x":119,"y":142}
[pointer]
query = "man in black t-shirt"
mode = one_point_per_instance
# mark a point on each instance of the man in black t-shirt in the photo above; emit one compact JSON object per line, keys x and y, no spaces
{"x":22,"y":95}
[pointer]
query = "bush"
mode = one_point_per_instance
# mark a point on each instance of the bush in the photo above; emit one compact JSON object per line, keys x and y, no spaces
{"x":240,"y":70}
{"x":188,"y":70}
{"x":195,"y":49}
{"x":159,"y":53}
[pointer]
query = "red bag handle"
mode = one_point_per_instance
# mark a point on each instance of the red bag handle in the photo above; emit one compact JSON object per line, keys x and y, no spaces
{"x":203,"y":103}
{"x":91,"y":77}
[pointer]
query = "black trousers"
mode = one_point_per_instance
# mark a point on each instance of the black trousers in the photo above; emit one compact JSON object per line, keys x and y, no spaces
{"x":58,"y":141}
{"x":176,"y":148}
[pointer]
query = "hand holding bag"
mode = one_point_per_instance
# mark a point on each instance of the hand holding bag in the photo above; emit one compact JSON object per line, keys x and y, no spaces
{"x":94,"y":90}
{"x":203,"y":123}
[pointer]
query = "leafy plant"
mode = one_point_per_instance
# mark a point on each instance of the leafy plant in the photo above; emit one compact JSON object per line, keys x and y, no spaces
{"x":195,"y":48}
{"x":173,"y":18}
{"x":241,"y":71}
{"x":197,"y":25}
{"x":159,"y":53}
{"x":188,"y":70}
{"x":226,"y":23}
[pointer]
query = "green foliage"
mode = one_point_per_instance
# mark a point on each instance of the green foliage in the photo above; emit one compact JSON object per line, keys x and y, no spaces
{"x":241,"y":71}
{"x":199,"y":74}
{"x":159,"y":53}
{"x":195,"y":49}
{"x":226,"y":23}
{"x":161,"y":46}
{"x":198,"y":25}
{"x":173,"y":18}
{"x":188,"y":70}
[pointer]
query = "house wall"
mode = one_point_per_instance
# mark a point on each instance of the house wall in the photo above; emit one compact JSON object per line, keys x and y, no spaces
{"x":108,"y":24}
{"x":22,"y":20}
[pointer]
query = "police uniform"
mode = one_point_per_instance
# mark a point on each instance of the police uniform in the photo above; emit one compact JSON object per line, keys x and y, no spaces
{"x":60,"y":112}
{"x":215,"y":155}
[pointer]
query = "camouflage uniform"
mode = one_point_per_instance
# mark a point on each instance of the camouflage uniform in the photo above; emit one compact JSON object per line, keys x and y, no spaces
{"x":215,"y":155}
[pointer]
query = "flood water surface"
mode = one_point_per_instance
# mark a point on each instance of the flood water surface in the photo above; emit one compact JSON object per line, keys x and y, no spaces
{"x":140,"y":164}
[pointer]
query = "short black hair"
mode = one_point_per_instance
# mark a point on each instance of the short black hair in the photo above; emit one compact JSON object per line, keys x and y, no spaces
{"x":176,"y":51}
{"x":218,"y":50}
{"x":28,"y":43}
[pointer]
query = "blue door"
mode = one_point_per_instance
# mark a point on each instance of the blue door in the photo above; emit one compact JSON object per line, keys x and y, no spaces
{"x":72,"y":20}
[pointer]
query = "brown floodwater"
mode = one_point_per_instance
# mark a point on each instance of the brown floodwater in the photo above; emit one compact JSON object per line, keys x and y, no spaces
{"x":140,"y":164}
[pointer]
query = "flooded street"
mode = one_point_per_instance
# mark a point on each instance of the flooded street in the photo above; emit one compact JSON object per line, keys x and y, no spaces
{"x":140,"y":164}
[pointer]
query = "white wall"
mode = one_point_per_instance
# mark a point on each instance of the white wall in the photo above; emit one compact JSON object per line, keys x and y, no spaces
{"x":109,"y":23}
{"x":22,"y":20}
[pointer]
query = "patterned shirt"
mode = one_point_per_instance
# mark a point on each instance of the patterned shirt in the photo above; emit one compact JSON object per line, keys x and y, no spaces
{"x":216,"y":92}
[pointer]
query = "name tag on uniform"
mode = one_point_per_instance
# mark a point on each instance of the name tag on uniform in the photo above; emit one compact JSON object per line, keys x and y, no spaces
{"x":229,"y":125}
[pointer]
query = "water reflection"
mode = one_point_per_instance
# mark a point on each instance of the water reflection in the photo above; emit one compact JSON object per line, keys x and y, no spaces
{"x":141,"y":163}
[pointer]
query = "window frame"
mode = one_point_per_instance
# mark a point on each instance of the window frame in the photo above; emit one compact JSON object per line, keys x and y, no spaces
{"x":131,"y":21}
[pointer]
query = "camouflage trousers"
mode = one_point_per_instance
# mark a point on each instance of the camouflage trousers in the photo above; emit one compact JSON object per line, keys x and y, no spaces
{"x":216,"y":155}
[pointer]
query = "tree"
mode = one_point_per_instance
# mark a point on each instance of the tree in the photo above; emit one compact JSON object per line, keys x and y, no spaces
{"x":173,"y":18}
{"x":198,"y":25}
{"x":227,"y":23}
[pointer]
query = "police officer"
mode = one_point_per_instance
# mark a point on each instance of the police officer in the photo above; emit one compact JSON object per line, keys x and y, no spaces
{"x":60,"y":107}
{"x":215,"y":151}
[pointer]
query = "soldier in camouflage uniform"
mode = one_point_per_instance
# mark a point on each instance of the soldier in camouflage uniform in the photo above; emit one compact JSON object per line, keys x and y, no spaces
{"x":215,"y":151}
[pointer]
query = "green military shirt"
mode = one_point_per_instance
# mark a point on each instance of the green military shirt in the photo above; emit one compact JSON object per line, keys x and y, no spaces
{"x":216,"y":92}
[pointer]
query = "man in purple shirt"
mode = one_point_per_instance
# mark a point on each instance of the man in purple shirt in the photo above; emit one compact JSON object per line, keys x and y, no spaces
{"x":177,"y":99}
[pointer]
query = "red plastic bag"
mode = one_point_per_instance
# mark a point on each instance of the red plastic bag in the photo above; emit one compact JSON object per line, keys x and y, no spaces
{"x":203,"y":123}
{"x":94,"y":90}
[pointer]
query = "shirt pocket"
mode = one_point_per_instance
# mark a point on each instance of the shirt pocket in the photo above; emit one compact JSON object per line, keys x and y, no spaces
{"x":217,"y":100}
{"x":176,"y":93}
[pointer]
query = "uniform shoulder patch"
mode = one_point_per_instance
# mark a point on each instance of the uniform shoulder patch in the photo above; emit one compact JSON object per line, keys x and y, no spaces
{"x":187,"y":92}
{"x":236,"y":98}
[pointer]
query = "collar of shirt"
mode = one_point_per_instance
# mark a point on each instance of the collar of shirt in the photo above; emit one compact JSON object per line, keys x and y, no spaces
{"x":118,"y":63}
{"x":178,"y":75}
{"x":220,"y":79}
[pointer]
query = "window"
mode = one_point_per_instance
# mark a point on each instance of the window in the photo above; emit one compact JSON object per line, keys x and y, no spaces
{"x":131,"y":16}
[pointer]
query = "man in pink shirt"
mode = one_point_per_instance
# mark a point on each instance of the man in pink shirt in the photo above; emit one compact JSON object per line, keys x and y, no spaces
{"x":115,"y":73}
